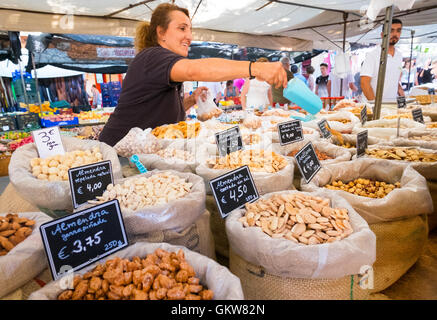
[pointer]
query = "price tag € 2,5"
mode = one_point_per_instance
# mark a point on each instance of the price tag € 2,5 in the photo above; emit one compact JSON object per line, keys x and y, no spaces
{"x":48,"y":142}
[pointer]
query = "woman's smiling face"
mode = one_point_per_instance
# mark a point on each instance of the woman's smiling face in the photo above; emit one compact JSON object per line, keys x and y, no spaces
{"x":177,"y":37}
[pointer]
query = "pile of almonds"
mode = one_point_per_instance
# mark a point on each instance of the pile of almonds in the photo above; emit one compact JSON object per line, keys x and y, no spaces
{"x":162,"y":275}
{"x":364,"y":187}
{"x":403,"y":154}
{"x":424,"y":138}
{"x":137,"y":193}
{"x":175,"y":153}
{"x":298,"y":217}
{"x":432,"y":125}
{"x":321,"y":155}
{"x":13,"y":230}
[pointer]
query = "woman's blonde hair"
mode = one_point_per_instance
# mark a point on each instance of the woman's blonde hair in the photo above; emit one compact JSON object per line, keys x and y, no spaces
{"x":146,"y":34}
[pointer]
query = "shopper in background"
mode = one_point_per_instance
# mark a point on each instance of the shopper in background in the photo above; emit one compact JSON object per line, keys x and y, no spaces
{"x":97,"y":101}
{"x":256,"y":92}
{"x":295,"y":70}
{"x":357,"y":81}
{"x":215,"y":88}
{"x":278,"y":93}
{"x":231,"y":91}
{"x":322,"y":81}
{"x":152,"y":93}
{"x":311,"y":81}
{"x":370,"y":68}
{"x":424,"y":74}
{"x":407,"y":83}
{"x":334,"y":85}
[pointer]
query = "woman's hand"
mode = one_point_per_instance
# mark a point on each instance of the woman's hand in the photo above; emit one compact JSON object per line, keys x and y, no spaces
{"x":271,"y":72}
{"x":200,"y":91}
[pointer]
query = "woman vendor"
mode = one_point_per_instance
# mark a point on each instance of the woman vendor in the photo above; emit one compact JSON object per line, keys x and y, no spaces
{"x":152,"y":93}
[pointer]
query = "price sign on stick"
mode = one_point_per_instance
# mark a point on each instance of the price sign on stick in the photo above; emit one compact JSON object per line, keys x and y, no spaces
{"x":80,"y":239}
{"x":229,"y":141}
{"x":323,"y":129}
{"x":233,"y":190}
{"x":418,"y":115}
{"x":48,"y":142}
{"x":289,"y":132}
{"x":362,"y":140}
{"x":308,"y":162}
{"x":363,"y":115}
{"x":88,"y":182}
{"x":402,"y":103}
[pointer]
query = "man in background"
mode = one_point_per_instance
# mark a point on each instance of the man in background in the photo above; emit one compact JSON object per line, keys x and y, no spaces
{"x":370,"y":68}
{"x":295,"y":70}
{"x":278,"y":96}
{"x":322,"y":81}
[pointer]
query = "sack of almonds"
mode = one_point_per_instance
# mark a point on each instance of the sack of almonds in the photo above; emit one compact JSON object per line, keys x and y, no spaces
{"x":308,"y":133}
{"x":45,"y":184}
{"x":423,"y":160}
{"x":270,"y":171}
{"x":394,"y":199}
{"x":387,"y":129}
{"x":349,"y":142}
{"x":22,"y":255}
{"x":326,"y":152}
{"x":157,"y":200}
{"x":195,"y":277}
{"x":416,"y":138}
{"x":378,"y":190}
{"x":342,"y":121}
{"x":296,"y":245}
{"x":137,"y":141}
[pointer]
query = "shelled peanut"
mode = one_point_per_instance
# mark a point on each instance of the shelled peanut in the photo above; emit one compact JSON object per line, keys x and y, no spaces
{"x":256,"y":160}
{"x":403,"y":154}
{"x":364,"y":187}
{"x":55,"y":168}
{"x":162,"y":275}
{"x":299,"y":218}
{"x":321,"y":155}
{"x":13,"y":230}
{"x":137,"y":193}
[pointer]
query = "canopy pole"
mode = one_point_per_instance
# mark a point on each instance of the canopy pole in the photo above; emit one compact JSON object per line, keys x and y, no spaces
{"x":345,"y":15}
{"x":36,"y":82}
{"x":26,"y":100}
{"x":411,"y":58}
{"x":383,"y":61}
{"x":6,"y":93}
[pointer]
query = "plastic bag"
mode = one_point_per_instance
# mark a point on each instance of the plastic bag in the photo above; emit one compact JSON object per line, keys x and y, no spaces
{"x":412,"y":199}
{"x":215,"y":277}
{"x":207,"y":109}
{"x":252,"y":122}
{"x":284,"y":258}
{"x":26,"y":260}
{"x":137,"y":141}
{"x":54,"y":195}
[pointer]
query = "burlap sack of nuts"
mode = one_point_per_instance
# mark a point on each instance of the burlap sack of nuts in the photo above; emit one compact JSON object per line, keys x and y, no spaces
{"x":336,"y":153}
{"x":407,"y":156}
{"x":308,"y":133}
{"x":350,"y":142}
{"x":387,"y":129}
{"x":55,"y":195}
{"x":342,"y":121}
{"x":26,"y":260}
{"x":177,"y":215}
{"x":215,"y":277}
{"x":271,"y":268}
{"x":416,"y":138}
{"x":265,"y":182}
{"x":411,"y":199}
{"x":137,"y":141}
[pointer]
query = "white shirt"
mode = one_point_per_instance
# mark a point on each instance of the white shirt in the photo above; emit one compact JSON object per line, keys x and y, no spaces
{"x":336,"y":82}
{"x":214,"y":87}
{"x":257,"y":95}
{"x":311,"y":82}
{"x":393,"y":72}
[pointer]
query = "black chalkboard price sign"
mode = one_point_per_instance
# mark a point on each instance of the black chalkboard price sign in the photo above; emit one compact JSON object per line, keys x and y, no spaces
{"x":363,"y":115}
{"x":289,"y":132}
{"x":80,"y":239}
{"x":89,"y":181}
{"x":402,"y":103}
{"x":233,"y":190}
{"x":323,"y":129}
{"x":418,"y":115}
{"x":229,"y":141}
{"x":362,"y":140}
{"x":307,"y":162}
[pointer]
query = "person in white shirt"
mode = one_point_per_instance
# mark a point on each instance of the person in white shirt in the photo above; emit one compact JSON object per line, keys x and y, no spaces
{"x":256,"y":93}
{"x":215,"y":88}
{"x":334,"y":84}
{"x":370,"y":68}
{"x":311,"y":81}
